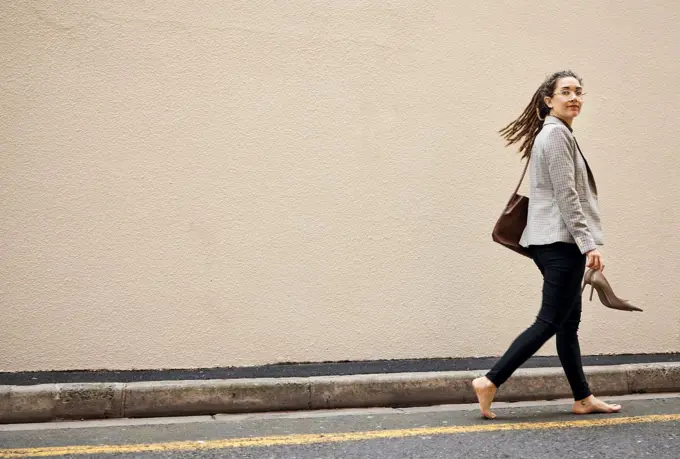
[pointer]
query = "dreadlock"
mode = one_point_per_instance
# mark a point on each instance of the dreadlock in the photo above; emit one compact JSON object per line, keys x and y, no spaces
{"x":530,"y":122}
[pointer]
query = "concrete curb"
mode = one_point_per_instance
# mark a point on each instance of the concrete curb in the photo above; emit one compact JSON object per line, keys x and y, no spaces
{"x":47,"y":402}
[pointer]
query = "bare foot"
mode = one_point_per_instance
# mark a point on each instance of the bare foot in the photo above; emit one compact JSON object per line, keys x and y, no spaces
{"x":485,"y":391}
{"x":594,"y":405}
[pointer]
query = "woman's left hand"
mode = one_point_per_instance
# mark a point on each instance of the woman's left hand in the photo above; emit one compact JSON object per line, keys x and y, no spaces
{"x":594,"y":260}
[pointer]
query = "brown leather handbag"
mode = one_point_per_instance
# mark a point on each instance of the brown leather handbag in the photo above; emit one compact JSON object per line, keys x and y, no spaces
{"x":513,"y":220}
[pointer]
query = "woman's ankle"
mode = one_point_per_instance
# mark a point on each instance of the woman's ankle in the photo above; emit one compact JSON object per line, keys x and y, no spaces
{"x":584,"y":400}
{"x":486,"y":382}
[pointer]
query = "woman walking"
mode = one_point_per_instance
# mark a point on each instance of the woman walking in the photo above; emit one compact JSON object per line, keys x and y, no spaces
{"x":562,"y":234}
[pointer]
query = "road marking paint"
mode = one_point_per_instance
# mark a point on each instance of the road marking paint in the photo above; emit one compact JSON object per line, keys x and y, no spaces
{"x":305,"y":439}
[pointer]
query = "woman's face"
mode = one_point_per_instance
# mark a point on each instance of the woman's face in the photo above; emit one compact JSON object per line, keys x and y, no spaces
{"x":567,"y":99}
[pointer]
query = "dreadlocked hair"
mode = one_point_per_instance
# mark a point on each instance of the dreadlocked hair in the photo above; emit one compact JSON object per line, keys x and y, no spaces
{"x":529,"y":124}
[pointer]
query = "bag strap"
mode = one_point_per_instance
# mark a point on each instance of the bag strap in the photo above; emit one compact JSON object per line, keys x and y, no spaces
{"x":526,"y":166}
{"x":524,"y":172}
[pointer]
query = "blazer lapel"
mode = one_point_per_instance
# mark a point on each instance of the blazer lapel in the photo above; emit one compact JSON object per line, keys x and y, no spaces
{"x":591,"y":178}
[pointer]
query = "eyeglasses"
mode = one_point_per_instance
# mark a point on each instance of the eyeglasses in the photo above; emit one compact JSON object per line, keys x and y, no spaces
{"x":567,"y":93}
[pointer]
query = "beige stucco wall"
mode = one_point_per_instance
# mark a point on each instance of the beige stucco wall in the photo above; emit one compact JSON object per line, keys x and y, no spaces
{"x":190,"y":184}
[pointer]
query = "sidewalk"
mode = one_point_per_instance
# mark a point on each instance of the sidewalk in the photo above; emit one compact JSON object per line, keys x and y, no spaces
{"x":95,"y":395}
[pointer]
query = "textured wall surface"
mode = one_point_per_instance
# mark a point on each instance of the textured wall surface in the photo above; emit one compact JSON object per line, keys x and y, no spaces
{"x":189,"y":184}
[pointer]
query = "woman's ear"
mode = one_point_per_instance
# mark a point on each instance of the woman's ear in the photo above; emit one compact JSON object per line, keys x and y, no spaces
{"x":548,"y":101}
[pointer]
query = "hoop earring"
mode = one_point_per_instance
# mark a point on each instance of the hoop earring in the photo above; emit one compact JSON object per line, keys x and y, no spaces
{"x":538,"y":113}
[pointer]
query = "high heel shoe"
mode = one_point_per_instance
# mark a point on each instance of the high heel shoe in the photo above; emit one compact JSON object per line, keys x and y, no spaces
{"x":598,"y":282}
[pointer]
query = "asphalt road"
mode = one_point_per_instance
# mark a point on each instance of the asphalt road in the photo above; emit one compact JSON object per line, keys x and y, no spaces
{"x":649,"y":426}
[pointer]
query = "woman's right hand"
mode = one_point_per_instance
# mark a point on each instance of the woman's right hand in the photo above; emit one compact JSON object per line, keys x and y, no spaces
{"x":594,"y":260}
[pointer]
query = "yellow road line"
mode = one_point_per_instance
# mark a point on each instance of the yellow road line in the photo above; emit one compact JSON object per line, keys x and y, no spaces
{"x":325,"y":438}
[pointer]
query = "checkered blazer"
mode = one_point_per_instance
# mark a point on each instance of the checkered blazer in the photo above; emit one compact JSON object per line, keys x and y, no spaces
{"x":562,"y":196}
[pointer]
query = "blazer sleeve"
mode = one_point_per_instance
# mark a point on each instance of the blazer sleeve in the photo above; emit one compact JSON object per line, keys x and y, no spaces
{"x":560,"y":154}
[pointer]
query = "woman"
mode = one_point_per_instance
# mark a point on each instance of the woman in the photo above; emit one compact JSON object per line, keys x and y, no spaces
{"x":562,"y":234}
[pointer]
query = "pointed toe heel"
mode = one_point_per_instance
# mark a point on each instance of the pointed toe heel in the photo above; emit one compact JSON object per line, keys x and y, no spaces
{"x":599,"y":283}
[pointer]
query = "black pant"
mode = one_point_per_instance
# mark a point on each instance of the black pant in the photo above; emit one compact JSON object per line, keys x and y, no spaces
{"x":562,"y":266}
